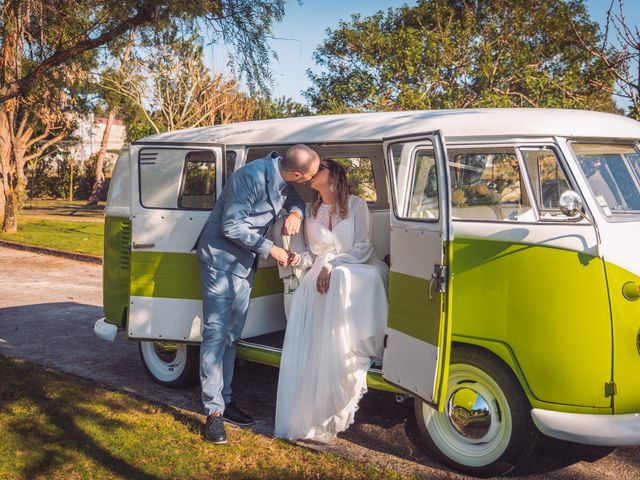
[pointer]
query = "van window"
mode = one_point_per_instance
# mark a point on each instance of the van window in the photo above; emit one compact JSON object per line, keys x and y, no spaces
{"x":198,"y":190}
{"x":548,"y":180}
{"x":486,"y":185}
{"x":160,"y":171}
{"x":416,"y":182}
{"x":360,"y":176}
{"x":612,"y":173}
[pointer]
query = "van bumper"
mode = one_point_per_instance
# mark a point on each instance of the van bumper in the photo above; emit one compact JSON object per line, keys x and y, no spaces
{"x":605,"y":430}
{"x":104,"y":330}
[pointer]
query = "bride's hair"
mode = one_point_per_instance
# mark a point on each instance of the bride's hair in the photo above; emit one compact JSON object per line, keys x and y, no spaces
{"x":338,"y":176}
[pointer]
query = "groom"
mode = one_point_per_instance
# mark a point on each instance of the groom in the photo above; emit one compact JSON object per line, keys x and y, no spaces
{"x":228,"y":249}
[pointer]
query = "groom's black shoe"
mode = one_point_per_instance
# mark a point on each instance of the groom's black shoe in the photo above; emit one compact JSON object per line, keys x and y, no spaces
{"x":214,"y":430}
{"x":233,"y":414}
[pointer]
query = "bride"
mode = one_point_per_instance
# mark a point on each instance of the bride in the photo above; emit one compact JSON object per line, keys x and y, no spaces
{"x":337,"y":317}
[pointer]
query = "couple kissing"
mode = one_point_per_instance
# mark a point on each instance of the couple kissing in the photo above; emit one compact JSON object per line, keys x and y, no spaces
{"x":338,"y":313}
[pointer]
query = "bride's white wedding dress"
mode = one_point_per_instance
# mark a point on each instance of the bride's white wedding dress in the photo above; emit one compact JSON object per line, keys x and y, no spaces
{"x":332,"y":338}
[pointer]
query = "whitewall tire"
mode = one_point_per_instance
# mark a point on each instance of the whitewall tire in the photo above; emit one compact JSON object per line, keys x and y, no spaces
{"x":170,"y":364}
{"x":486,"y":428}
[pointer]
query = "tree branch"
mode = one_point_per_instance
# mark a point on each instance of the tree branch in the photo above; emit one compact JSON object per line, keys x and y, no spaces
{"x":21,"y":86}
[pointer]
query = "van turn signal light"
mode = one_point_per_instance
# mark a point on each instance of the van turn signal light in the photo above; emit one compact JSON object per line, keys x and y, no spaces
{"x":631,"y":291}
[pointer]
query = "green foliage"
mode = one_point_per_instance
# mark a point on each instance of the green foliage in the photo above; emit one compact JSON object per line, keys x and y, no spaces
{"x":458,"y":54}
{"x":283,"y":107}
{"x":50,"y":177}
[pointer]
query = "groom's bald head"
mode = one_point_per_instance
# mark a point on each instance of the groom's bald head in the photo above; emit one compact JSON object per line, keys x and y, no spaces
{"x":300,"y":163}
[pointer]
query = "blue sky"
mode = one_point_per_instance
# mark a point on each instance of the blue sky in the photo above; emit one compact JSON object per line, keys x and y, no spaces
{"x":304,"y":27}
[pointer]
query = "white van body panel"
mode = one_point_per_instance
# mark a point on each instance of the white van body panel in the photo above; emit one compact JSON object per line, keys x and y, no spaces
{"x":494,"y":123}
{"x":155,"y":318}
{"x":119,"y":196}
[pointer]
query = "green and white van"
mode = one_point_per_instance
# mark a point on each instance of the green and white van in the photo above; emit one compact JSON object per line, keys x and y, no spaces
{"x":513,"y":237}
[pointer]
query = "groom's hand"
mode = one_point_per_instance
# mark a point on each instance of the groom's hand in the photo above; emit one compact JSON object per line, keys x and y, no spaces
{"x":292,"y":223}
{"x":280,"y":255}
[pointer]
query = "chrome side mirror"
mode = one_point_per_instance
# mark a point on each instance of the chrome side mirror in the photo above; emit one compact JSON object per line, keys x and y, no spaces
{"x":570,"y":203}
{"x":571,"y":206}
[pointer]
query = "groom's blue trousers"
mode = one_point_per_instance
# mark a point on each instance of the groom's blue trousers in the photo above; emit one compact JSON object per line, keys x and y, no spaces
{"x":225,"y":302}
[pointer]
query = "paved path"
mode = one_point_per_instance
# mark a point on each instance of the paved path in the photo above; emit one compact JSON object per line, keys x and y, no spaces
{"x":48,"y":306}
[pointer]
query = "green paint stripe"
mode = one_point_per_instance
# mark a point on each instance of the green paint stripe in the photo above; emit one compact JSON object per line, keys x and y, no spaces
{"x":410,"y":311}
{"x":177,"y":275}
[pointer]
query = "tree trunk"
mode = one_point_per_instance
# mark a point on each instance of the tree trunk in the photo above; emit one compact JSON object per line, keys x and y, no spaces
{"x":10,"y":224}
{"x":99,"y":173}
{"x":2,"y":202}
{"x":99,"y":181}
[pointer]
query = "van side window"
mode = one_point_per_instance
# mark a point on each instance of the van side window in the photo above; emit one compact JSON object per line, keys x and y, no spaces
{"x":416,"y":182}
{"x":160,"y":174}
{"x":486,"y":185}
{"x":360,"y":176}
{"x":548,"y":180}
{"x":198,"y":190}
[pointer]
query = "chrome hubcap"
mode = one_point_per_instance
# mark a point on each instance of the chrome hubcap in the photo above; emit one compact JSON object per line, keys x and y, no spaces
{"x":167,"y":352}
{"x":469,"y":413}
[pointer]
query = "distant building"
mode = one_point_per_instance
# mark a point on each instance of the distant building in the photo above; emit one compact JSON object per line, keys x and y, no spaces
{"x":89,"y":136}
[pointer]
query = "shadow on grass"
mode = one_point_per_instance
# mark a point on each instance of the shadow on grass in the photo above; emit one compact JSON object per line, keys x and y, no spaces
{"x":50,"y":436}
{"x":62,"y":208}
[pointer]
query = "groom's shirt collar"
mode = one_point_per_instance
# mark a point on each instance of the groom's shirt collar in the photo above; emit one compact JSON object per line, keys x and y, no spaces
{"x":280,"y":183}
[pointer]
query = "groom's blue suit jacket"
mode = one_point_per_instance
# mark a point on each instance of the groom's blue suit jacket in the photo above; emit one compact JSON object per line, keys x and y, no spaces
{"x":246,"y":208}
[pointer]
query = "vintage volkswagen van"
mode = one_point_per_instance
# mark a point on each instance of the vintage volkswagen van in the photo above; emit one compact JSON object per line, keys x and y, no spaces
{"x":512,"y":237}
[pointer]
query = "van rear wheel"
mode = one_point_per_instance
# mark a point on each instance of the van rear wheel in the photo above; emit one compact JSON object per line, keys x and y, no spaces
{"x":170,"y":364}
{"x":486,"y":428}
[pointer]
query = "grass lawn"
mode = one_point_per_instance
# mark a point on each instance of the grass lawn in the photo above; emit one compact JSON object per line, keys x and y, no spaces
{"x":70,"y":236}
{"x":56,"y":426}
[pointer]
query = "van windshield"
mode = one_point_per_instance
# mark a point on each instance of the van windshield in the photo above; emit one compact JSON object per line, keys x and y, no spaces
{"x":613,"y":173}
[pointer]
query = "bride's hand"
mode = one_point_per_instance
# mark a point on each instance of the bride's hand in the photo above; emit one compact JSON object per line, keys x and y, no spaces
{"x":322,"y":283}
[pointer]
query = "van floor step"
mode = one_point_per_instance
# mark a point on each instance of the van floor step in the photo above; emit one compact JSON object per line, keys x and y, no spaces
{"x":276,"y":340}
{"x":273,"y":340}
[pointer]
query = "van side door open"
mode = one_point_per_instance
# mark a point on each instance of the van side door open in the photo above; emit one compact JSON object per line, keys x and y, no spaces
{"x":419,"y":327}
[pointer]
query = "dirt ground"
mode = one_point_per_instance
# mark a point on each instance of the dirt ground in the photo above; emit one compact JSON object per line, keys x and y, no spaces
{"x":48,"y":307}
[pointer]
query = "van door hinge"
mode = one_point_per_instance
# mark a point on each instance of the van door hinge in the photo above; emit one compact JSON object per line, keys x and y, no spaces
{"x":610,"y":389}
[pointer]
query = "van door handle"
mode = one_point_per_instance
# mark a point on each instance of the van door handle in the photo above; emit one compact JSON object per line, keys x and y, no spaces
{"x":142,"y":245}
{"x":438,"y":281}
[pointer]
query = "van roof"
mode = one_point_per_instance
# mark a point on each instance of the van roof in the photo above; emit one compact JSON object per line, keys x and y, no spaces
{"x":373,"y":127}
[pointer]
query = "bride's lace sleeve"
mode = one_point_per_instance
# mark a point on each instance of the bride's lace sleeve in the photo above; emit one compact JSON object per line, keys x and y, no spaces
{"x":362,"y":247}
{"x":306,"y":257}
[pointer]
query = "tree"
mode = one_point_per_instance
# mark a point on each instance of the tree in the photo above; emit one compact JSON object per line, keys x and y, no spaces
{"x":283,"y":107}
{"x":32,"y":123}
{"x":619,"y":50}
{"x":458,"y":54}
{"x":113,"y":107}
{"x":78,"y":27}
{"x":43,"y":43}
{"x":168,"y":81}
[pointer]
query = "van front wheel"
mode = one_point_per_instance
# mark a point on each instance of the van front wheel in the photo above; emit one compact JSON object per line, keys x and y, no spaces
{"x":170,"y":364}
{"x":486,"y":427}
